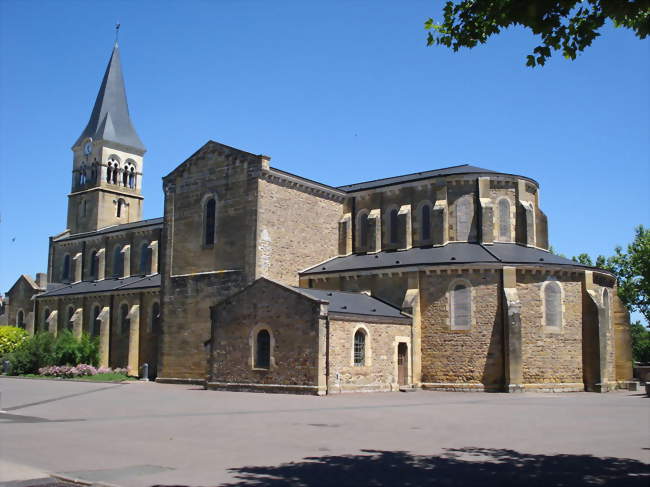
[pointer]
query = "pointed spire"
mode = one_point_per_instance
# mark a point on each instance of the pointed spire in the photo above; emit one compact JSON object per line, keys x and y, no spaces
{"x":110,"y":118}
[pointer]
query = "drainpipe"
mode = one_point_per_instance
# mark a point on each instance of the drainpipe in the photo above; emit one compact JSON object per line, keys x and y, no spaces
{"x":327,"y":354}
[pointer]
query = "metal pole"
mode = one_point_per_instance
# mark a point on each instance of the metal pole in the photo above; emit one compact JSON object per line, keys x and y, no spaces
{"x":145,"y":372}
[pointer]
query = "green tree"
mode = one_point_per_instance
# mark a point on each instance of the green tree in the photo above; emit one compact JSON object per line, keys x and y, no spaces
{"x":568,"y":26}
{"x":640,"y":342}
{"x":633,"y":271}
{"x":583,"y":259}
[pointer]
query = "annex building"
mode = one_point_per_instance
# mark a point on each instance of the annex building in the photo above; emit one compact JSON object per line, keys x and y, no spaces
{"x":258,"y":279}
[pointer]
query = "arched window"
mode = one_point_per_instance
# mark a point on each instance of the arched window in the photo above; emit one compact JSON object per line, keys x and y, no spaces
{"x":120,"y":207}
{"x":65,"y":274}
{"x":115,"y":171}
{"x":132,"y":178}
{"x":362,"y":229}
{"x":210,"y":221}
{"x":606,"y":311}
{"x":359,"y":348}
{"x":425,"y":222}
{"x":263,"y":350}
{"x":155,"y":319}
{"x":68,"y":323}
{"x":504,"y":220}
{"x":394,"y":226}
{"x":461,"y":307}
{"x":93,"y":265}
{"x":552,"y":304}
{"x":93,"y":173}
{"x":125,"y":177}
{"x":20,"y":319}
{"x":145,"y":259}
{"x":109,"y":172}
{"x":125,"y":322}
{"x":464,"y":216}
{"x":46,"y":315}
{"x":118,"y":262}
{"x":97,"y":324}
{"x":82,"y":175}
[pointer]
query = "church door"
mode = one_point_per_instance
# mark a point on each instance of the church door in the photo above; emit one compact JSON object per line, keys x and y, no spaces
{"x":402,"y":364}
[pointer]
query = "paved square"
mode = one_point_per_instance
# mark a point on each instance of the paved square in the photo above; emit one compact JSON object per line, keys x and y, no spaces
{"x":142,"y":434}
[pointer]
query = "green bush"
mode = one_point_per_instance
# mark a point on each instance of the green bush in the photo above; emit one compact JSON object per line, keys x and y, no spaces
{"x":32,"y":354}
{"x":10,"y":338}
{"x":44,"y":350}
{"x":70,"y":351}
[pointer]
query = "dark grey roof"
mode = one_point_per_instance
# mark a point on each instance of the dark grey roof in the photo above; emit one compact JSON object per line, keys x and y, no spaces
{"x":446,"y":171}
{"x":116,"y":228}
{"x":105,"y":285}
{"x":352,"y":303}
{"x":110,"y":118}
{"x":453,"y":253}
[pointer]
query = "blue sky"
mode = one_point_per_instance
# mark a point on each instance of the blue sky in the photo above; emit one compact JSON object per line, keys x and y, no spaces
{"x":339,"y":92}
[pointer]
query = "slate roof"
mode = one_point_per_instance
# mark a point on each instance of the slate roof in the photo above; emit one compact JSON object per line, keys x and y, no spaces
{"x":452,"y":253}
{"x":104,"y":286}
{"x":115,"y":228}
{"x":446,"y":171}
{"x":352,"y":303}
{"x":110,"y":118}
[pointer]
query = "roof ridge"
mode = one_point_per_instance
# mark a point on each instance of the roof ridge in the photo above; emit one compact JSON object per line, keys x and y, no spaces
{"x":405,"y":175}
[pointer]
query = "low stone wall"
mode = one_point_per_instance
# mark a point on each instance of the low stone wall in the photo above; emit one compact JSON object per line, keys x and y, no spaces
{"x":642,"y":372}
{"x":272,"y":388}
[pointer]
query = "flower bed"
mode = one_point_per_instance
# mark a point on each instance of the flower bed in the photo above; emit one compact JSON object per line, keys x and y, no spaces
{"x":80,"y":371}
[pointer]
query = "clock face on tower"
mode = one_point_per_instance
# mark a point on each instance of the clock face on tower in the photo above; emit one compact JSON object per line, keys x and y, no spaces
{"x":88,"y":147}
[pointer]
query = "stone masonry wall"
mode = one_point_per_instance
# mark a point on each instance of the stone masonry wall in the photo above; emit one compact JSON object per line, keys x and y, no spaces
{"x":292,"y":321}
{"x":295,"y":230}
{"x":550,"y":356}
{"x":186,"y":321}
{"x":108,"y":241}
{"x":20,"y":299}
{"x":380,"y":371}
{"x":195,"y":276}
{"x":473,"y":356}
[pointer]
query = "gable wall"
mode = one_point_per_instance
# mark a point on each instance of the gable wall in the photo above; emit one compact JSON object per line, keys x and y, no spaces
{"x":293,"y":321}
{"x":295,"y":230}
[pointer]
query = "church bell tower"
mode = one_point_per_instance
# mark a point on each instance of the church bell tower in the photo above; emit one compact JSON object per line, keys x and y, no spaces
{"x":107,"y":161}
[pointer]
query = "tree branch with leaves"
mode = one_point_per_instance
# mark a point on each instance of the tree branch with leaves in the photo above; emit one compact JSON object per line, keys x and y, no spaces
{"x":567,"y":26}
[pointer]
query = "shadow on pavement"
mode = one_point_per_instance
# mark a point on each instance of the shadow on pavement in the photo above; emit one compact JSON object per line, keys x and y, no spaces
{"x":455,"y":468}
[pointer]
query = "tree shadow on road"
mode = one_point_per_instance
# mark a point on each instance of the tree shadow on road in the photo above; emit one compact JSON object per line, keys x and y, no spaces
{"x":455,"y":468}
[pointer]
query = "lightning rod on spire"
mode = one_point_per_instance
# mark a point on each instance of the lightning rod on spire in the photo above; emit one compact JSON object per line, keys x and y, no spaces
{"x":117,"y":31}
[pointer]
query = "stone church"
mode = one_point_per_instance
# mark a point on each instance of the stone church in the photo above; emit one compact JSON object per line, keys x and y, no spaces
{"x":258,"y":279}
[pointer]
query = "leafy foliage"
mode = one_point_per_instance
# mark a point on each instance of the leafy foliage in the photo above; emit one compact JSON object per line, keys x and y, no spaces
{"x":10,"y":338}
{"x":569,"y":26}
{"x":70,"y":351}
{"x":35,"y":352}
{"x":633,"y":271}
{"x":44,"y":349}
{"x":640,"y":342}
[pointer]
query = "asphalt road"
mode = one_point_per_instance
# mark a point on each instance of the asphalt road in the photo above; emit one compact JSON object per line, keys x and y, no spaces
{"x":143,"y":434}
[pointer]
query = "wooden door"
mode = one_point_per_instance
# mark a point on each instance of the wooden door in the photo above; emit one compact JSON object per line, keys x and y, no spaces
{"x":402,"y":364}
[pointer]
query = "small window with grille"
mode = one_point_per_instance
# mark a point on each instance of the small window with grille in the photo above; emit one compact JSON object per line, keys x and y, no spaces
{"x":359,"y":348}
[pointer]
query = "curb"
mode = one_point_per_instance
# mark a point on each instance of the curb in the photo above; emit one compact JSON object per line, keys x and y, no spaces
{"x":58,"y":379}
